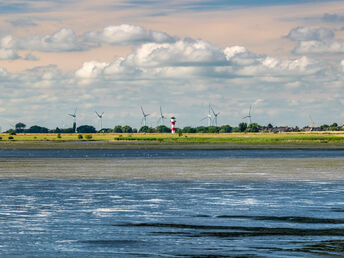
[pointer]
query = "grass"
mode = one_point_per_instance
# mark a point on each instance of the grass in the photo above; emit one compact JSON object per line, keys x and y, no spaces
{"x":300,"y":137}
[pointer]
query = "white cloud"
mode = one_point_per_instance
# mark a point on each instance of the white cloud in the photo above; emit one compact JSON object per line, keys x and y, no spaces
{"x":126,"y":34}
{"x":315,"y":41}
{"x":186,"y":52}
{"x":8,"y":54}
{"x":302,"y":33}
{"x":320,"y":47}
{"x":62,"y":40}
{"x":66,"y":40}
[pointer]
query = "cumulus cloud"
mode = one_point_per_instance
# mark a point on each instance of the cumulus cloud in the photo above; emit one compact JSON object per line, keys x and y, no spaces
{"x":8,"y":54}
{"x":302,"y":33}
{"x":6,"y":49}
{"x":193,"y":59}
{"x":315,"y":41}
{"x":62,"y":40}
{"x":320,"y":47}
{"x":186,"y":52}
{"x":126,"y":34}
{"x":66,"y":40}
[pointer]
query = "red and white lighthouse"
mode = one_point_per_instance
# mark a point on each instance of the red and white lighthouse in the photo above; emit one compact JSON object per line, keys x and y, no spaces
{"x":173,"y":123}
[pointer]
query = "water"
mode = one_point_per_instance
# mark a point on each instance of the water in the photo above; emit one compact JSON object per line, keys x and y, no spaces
{"x":134,"y":206}
{"x":170,"y":154}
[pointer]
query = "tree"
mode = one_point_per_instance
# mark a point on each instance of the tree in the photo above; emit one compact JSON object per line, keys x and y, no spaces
{"x":213,"y":129}
{"x":334,"y":127}
{"x":118,"y":129}
{"x":226,"y":129}
{"x":86,"y":129}
{"x":253,"y":128}
{"x":188,"y":129}
{"x":127,"y":129}
{"x":201,"y":129}
{"x":37,"y":129}
{"x":144,"y":129}
{"x":20,"y":127}
{"x":242,"y":127}
{"x":162,"y":129}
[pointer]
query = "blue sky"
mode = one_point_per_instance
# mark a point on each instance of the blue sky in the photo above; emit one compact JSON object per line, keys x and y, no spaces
{"x":286,"y":58}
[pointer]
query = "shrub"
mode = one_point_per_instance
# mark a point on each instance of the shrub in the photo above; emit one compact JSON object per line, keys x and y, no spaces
{"x":10,"y":137}
{"x":88,"y":137}
{"x":0,"y":138}
{"x":80,"y":136}
{"x":59,"y":136}
{"x":12,"y":133}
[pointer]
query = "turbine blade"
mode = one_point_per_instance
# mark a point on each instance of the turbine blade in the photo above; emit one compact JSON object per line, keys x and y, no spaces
{"x":212,"y":110}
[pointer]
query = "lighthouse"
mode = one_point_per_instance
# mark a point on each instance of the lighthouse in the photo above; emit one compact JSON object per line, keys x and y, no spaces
{"x":173,"y":123}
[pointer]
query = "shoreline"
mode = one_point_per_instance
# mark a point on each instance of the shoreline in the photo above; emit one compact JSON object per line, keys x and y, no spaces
{"x":165,"y":146}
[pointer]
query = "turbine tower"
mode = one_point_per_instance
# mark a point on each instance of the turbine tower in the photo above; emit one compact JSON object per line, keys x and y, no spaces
{"x":74,"y":118}
{"x":249,"y":114}
{"x":313,"y":124}
{"x":144,"y":118}
{"x":208,"y":117}
{"x":215,"y":116}
{"x":100,"y":116}
{"x":161,"y":119}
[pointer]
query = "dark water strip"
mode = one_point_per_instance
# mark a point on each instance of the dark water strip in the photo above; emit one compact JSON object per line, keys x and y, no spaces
{"x":237,"y":231}
{"x":169,"y":154}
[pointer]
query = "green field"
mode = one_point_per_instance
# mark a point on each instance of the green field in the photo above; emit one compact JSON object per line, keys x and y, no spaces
{"x":270,"y":138}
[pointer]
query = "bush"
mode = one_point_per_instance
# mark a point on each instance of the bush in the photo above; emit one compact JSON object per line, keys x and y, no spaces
{"x":88,"y":137}
{"x":10,"y":137}
{"x":12,"y":133}
{"x":0,"y":138}
{"x":80,"y":136}
{"x":59,"y":136}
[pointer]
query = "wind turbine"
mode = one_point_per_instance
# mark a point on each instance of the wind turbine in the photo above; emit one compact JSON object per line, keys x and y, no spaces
{"x":74,"y":117}
{"x":249,"y":114}
{"x":215,"y":115}
{"x":144,"y":119}
{"x":208,"y":117}
{"x":310,"y":119}
{"x":162,"y":117}
{"x":100,"y":116}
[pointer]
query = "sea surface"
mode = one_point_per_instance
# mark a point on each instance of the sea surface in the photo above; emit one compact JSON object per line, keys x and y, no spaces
{"x":178,"y":203}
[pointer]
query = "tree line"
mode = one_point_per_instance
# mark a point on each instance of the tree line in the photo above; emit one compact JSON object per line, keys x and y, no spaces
{"x":242,"y":127}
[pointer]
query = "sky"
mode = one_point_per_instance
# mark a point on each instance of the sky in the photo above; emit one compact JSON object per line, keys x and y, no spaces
{"x":283,"y":57}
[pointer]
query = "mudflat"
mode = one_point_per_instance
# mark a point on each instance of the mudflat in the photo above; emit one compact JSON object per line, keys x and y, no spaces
{"x":178,"y":169}
{"x":165,"y":145}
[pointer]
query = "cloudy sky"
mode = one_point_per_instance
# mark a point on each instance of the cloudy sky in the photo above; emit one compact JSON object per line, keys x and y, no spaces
{"x":284,"y":57}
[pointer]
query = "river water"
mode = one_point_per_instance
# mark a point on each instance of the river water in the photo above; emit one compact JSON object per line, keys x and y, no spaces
{"x":161,"y":203}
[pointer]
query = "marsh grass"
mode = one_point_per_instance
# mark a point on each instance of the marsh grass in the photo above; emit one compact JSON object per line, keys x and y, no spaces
{"x":301,"y":137}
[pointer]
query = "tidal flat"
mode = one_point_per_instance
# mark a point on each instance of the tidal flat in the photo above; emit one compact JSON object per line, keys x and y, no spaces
{"x":178,"y":169}
{"x":171,"y":202}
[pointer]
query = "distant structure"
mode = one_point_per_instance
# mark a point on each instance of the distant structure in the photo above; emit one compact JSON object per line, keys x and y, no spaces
{"x":144,"y":119}
{"x":173,"y":123}
{"x":100,"y":116}
{"x":215,"y":116}
{"x":208,"y":117}
{"x":161,"y":119}
{"x":249,"y":115}
{"x":74,"y":122}
{"x":312,"y":123}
